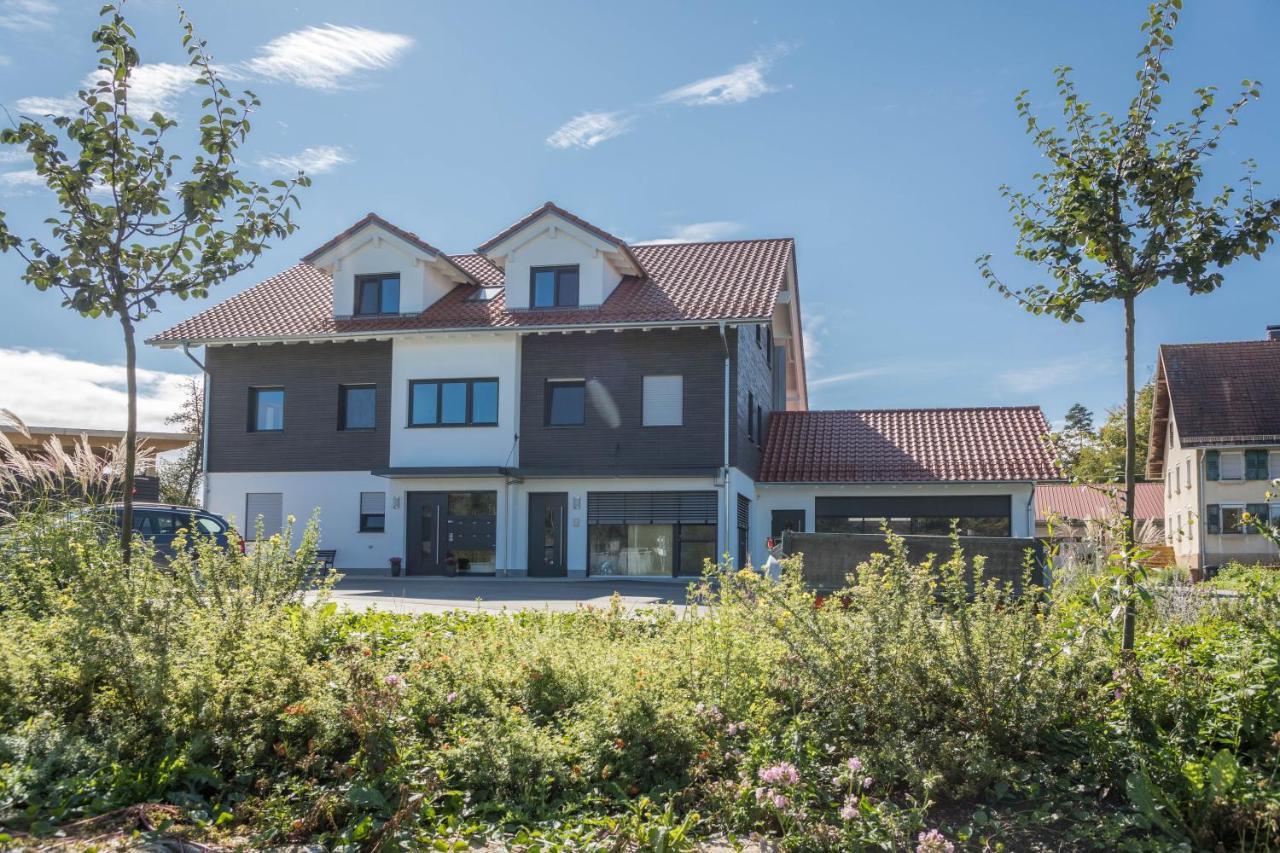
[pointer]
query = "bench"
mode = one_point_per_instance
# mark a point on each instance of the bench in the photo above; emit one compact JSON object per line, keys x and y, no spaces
{"x":324,"y":559}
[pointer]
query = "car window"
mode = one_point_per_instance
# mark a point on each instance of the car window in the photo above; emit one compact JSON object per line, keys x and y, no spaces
{"x":154,"y":523}
{"x":209,"y":525}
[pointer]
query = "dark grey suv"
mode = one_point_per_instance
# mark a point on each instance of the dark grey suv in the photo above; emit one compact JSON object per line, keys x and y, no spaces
{"x":160,"y":523}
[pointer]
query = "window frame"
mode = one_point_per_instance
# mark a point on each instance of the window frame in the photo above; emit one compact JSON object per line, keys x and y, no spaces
{"x":343,"y":390}
{"x":254,"y":392}
{"x":751,"y":414}
{"x":378,"y":278}
{"x":557,"y":270}
{"x":547,"y":395}
{"x":1237,"y":529}
{"x":644,"y":400}
{"x":1222,"y":458}
{"x":469,"y":417}
{"x":364,"y":526}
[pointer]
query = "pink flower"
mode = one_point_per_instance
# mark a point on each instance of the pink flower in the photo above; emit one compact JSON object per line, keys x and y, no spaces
{"x":867,"y":782}
{"x":854,"y":765}
{"x":393,"y":680}
{"x":780,"y":802}
{"x":933,"y":842}
{"x":849,"y":810}
{"x":783,"y":773}
{"x":452,"y":695}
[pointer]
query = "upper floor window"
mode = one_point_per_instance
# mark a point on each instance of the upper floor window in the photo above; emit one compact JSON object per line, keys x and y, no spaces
{"x":1231,"y":465}
{"x":751,"y":416}
{"x":566,"y":402}
{"x":378,"y":294}
{"x":553,"y":287}
{"x":266,"y":409}
{"x":357,"y":406}
{"x":453,"y":402}
{"x":663,"y":401}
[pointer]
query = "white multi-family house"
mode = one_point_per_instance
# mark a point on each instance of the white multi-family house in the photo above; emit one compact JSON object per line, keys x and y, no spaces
{"x":1215,"y":446}
{"x":562,"y":403}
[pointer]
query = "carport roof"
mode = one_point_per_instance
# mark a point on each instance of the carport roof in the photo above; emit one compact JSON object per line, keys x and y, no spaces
{"x":995,"y":444}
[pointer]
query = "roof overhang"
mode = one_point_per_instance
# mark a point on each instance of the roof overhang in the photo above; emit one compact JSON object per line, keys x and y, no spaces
{"x":550,"y":218}
{"x":375,"y":230}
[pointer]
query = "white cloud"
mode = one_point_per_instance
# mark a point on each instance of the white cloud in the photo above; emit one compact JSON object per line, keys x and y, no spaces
{"x":154,"y":87}
{"x":742,"y":83}
{"x":851,"y":376}
{"x":698,"y":232}
{"x":1031,"y":379}
{"x":325,"y":57}
{"x":313,"y":161}
{"x":49,"y":389}
{"x":22,"y":179}
{"x":589,"y":129}
{"x":26,"y":14}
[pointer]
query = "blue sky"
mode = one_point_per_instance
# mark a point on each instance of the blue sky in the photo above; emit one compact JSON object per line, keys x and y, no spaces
{"x":876,"y":134}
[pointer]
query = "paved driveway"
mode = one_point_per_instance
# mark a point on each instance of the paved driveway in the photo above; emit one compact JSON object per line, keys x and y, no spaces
{"x":437,"y":595}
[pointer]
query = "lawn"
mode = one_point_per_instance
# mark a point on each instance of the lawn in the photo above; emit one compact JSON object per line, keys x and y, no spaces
{"x":206,"y":701}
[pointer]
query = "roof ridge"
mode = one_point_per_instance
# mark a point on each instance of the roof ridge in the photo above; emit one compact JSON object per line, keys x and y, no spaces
{"x":712,"y":242}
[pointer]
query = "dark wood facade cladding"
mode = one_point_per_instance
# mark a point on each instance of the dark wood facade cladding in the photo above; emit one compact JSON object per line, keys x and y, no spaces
{"x":310,"y":375}
{"x":618,"y":362}
{"x":753,"y":383}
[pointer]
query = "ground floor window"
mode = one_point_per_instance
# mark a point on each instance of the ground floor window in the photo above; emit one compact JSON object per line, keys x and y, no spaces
{"x":928,"y":515}
{"x":656,"y":534}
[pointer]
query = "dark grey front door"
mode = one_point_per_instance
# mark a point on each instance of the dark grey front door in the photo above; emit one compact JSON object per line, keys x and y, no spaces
{"x":786,"y":519}
{"x":426,"y":531}
{"x":547,"y":511}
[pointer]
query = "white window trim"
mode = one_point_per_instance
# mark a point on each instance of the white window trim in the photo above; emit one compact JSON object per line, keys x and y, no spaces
{"x":1222,"y":467}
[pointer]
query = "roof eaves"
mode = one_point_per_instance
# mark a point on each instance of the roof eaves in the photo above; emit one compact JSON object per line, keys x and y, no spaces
{"x":408,"y":236}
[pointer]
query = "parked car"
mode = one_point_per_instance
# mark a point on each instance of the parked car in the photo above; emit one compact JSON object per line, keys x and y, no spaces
{"x":159,"y":524}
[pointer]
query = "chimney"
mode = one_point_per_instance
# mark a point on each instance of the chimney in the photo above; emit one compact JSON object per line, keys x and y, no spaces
{"x":1273,"y":333}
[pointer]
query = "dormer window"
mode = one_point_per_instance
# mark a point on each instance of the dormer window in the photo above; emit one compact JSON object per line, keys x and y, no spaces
{"x":377,"y":294}
{"x":553,"y":287}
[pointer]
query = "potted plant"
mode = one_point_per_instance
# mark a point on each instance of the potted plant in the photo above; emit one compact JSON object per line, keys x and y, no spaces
{"x":395,"y":567}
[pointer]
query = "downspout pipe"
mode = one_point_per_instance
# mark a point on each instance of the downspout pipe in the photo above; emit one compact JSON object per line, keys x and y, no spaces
{"x":204,"y":427}
{"x":724,"y":340}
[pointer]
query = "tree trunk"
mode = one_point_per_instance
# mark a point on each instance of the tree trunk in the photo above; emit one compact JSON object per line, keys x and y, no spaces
{"x":1130,"y":488}
{"x":130,"y":436}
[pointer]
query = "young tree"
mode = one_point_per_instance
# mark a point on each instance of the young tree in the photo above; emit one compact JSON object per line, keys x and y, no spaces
{"x":1103,"y":460}
{"x":1120,"y":210}
{"x":180,"y":477}
{"x":1076,"y":435}
{"x":129,"y":229}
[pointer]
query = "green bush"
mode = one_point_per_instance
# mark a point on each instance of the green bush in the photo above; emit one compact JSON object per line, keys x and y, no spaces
{"x":906,"y":703}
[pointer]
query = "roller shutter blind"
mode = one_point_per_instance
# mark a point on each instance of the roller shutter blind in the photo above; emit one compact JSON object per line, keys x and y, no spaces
{"x":269,"y":505}
{"x":651,"y":508}
{"x":744,"y":512}
{"x":663,"y":400}
{"x":373,"y":503}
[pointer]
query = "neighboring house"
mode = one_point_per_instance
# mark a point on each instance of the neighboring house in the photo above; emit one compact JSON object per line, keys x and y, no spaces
{"x":1068,"y":507}
{"x":557,"y":403}
{"x":1215,"y":445}
{"x":917,"y":469}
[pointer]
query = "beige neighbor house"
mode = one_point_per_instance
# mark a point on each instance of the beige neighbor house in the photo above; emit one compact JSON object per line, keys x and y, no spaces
{"x":1215,"y":444}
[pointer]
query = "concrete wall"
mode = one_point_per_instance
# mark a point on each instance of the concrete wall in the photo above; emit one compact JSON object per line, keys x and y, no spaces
{"x":829,"y":557}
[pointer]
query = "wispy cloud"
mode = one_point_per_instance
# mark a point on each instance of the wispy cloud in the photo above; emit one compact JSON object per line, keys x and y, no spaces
{"x":589,"y":130}
{"x":327,"y":57}
{"x":26,"y":14}
{"x":1031,"y":379}
{"x":19,"y":182}
{"x":154,"y":87}
{"x":697,"y":232}
{"x":741,"y":83}
{"x":46,"y":388}
{"x":851,"y":376}
{"x":313,"y":161}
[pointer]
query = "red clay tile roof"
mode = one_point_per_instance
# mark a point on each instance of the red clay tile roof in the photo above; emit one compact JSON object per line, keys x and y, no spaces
{"x":687,"y":282}
{"x":1081,"y":502}
{"x":908,"y":445}
{"x":552,"y":207}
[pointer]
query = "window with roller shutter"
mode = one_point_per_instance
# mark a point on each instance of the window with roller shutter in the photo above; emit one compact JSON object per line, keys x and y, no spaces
{"x":663,"y":401}
{"x":373,"y":512}
{"x":267,"y":506}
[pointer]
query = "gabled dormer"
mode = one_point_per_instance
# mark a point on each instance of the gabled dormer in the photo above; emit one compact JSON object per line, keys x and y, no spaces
{"x":552,"y":259}
{"x":379,"y":270}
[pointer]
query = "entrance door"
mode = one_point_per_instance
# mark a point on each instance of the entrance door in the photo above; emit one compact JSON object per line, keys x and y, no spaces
{"x":786,"y":519}
{"x":547,"y":512}
{"x":426,"y":530}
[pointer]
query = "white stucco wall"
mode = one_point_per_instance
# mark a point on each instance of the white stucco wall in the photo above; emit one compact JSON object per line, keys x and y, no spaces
{"x":421,"y":282}
{"x":561,"y":245}
{"x":455,"y":356}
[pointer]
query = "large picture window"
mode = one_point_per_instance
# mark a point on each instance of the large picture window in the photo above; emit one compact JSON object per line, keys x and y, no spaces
{"x":453,"y":402}
{"x":977,"y":515}
{"x":659,"y":534}
{"x":266,"y":409}
{"x":377,"y":294}
{"x":553,"y":287}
